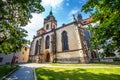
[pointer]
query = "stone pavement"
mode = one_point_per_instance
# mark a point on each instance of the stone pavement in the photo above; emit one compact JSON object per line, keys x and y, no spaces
{"x":25,"y":72}
{"x":35,"y":65}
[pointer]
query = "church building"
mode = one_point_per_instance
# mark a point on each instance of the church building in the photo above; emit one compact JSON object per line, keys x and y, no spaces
{"x":65,"y":44}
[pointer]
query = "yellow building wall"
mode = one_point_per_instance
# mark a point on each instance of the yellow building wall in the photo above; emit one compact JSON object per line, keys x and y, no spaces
{"x":23,"y":55}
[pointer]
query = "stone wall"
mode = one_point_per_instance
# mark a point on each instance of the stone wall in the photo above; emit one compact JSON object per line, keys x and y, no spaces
{"x":71,"y":57}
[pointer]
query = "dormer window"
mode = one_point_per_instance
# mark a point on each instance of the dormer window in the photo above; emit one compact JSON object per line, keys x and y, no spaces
{"x":47,"y":26}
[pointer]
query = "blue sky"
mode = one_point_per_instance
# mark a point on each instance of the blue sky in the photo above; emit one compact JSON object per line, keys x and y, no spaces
{"x":62,"y":10}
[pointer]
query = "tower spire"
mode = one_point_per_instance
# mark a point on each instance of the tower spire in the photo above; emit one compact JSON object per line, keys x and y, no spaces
{"x":51,"y":12}
{"x":51,"y":8}
{"x":79,"y":17}
{"x":74,"y":18}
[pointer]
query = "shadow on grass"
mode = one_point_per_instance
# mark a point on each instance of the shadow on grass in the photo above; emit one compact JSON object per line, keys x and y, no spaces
{"x":74,"y":74}
{"x":117,"y":64}
{"x":107,"y":63}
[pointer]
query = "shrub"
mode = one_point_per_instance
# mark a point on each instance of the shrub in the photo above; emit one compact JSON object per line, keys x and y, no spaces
{"x":116,"y":59}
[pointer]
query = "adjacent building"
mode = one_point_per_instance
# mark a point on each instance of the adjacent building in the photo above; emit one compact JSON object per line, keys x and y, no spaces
{"x":18,"y":57}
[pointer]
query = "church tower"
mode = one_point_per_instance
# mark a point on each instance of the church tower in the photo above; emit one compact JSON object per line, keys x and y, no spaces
{"x":79,"y":17}
{"x":50,"y":23}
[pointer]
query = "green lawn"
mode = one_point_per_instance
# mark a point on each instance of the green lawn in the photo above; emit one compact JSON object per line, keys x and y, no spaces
{"x":90,"y":64}
{"x":78,"y":73}
{"x":6,"y":69}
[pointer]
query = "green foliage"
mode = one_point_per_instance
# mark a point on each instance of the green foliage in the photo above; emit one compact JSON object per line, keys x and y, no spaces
{"x":15,"y":14}
{"x":4,"y":70}
{"x":78,"y":73}
{"x":116,"y":59}
{"x":107,"y":12}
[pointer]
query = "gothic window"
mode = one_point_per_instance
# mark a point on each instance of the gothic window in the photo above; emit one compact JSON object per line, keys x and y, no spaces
{"x":47,"y":42}
{"x":64,"y":41}
{"x":93,"y":55}
{"x":37,"y":47}
{"x":47,"y":26}
{"x":87,"y":37}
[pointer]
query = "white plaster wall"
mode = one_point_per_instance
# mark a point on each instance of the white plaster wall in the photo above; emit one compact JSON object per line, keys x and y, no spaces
{"x":6,"y":58}
{"x":73,"y":37}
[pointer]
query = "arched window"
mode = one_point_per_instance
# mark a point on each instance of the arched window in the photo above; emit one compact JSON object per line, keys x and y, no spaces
{"x":47,"y":26}
{"x":87,"y":37}
{"x":64,"y":41}
{"x":93,"y":55}
{"x":47,"y":42}
{"x":36,"y":47}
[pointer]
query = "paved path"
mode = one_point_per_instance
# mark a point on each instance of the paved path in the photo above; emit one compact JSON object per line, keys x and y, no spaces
{"x":24,"y":73}
{"x":35,"y":65}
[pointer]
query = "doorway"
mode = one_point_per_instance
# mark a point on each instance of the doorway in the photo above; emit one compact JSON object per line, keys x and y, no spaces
{"x":48,"y":57}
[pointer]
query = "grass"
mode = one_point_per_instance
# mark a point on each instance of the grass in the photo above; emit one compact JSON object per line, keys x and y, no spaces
{"x":4,"y":70}
{"x":78,"y":73}
{"x":90,"y":64}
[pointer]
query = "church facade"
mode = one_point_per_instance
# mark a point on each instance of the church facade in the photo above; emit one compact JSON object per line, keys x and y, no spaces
{"x":66,"y":44}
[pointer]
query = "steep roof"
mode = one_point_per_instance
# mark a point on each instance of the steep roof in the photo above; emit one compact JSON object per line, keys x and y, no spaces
{"x":50,"y":15}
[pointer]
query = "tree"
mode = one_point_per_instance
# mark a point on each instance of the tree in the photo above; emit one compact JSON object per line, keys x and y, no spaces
{"x":107,"y":12}
{"x":15,"y":14}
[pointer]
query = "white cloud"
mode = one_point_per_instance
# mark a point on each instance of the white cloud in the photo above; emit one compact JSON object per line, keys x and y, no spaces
{"x":67,"y":4}
{"x":81,"y":1}
{"x":36,"y":23}
{"x":74,"y":11}
{"x":52,"y":3}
